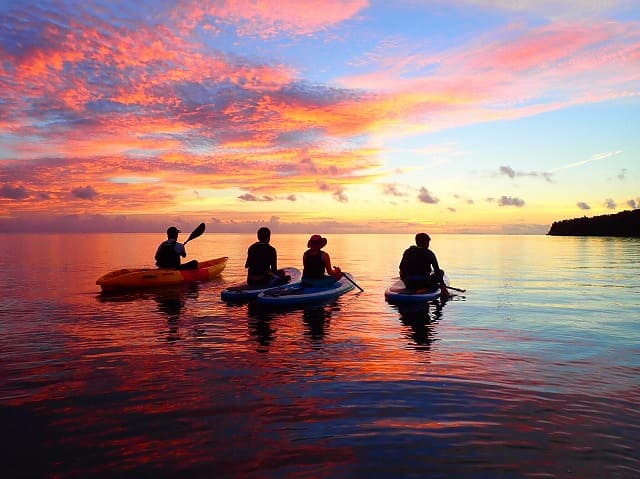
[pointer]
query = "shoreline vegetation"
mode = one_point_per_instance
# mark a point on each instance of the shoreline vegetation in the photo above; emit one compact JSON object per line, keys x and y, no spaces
{"x":625,"y":223}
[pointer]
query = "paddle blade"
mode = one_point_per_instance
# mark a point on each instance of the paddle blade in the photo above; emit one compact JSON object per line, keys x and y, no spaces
{"x":196,"y":232}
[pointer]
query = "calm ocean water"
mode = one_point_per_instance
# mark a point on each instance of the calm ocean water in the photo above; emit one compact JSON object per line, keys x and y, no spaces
{"x":533,"y":372}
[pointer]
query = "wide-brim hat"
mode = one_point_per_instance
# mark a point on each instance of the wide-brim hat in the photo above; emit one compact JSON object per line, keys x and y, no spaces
{"x":316,"y":241}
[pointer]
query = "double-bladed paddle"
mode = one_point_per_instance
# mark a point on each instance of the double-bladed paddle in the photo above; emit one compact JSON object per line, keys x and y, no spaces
{"x":195,"y":233}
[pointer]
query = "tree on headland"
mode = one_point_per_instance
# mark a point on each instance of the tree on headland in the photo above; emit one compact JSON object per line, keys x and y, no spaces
{"x":625,"y":223}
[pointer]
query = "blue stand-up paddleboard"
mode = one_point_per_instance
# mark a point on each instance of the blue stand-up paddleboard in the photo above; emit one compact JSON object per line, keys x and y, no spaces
{"x":243,"y":292}
{"x":301,"y":295}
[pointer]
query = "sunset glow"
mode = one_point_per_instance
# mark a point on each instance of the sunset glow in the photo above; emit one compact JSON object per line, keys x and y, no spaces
{"x":344,"y":115}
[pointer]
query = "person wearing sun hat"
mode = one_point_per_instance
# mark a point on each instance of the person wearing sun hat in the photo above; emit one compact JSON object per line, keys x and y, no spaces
{"x":316,"y":262}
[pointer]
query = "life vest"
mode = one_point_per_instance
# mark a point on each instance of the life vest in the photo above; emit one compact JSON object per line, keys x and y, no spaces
{"x":166,"y":256}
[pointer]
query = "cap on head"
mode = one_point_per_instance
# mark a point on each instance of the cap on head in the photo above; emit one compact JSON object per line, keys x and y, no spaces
{"x":172,"y":232}
{"x":316,"y":241}
{"x":422,"y":239}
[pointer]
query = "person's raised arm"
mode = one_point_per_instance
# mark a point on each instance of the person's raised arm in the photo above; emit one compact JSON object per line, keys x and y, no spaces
{"x":332,"y":271}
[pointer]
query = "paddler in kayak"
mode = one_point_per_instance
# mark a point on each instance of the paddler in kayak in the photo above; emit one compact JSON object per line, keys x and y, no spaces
{"x":169,"y":252}
{"x":262,"y":262}
{"x":315,"y":262}
{"x":419,"y":267}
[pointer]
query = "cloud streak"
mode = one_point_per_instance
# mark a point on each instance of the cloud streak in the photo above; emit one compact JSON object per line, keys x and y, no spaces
{"x":598,"y":157}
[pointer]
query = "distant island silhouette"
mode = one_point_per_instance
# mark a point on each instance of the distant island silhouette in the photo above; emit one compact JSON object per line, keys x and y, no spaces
{"x":625,"y":223}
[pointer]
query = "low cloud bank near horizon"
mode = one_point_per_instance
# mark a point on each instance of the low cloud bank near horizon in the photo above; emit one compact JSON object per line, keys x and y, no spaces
{"x":88,"y":224}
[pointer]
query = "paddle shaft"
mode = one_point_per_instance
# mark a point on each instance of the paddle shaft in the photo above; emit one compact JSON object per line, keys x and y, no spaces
{"x":353,"y":282}
{"x":456,"y":289}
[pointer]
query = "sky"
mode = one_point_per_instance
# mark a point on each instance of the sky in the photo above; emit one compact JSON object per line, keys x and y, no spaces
{"x":345,"y":116}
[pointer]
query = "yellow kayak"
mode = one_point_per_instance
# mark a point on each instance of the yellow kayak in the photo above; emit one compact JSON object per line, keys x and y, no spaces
{"x":156,"y":277}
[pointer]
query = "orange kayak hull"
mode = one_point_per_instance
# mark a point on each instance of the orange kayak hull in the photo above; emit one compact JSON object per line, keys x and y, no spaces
{"x":134,"y":278}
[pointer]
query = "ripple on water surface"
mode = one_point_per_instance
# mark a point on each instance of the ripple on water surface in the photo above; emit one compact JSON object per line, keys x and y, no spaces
{"x":533,"y":372}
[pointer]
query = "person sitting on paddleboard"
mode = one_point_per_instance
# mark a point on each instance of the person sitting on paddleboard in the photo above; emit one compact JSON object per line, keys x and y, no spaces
{"x":315,"y":262}
{"x":262,"y":262}
{"x":169,"y":252}
{"x":419,"y":267}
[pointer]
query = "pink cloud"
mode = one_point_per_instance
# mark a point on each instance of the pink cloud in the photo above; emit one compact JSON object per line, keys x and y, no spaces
{"x":264,"y":18}
{"x":541,"y":48}
{"x":518,"y":73}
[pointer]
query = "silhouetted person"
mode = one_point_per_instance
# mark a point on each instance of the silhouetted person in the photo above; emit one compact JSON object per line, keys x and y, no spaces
{"x":315,"y":262}
{"x":419,"y":267}
{"x":262,"y":261}
{"x":169,"y":252}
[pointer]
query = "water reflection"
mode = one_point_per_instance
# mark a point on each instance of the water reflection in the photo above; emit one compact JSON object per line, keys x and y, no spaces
{"x":316,"y":321}
{"x":170,"y":303}
{"x":419,"y":321}
{"x":260,"y":327}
